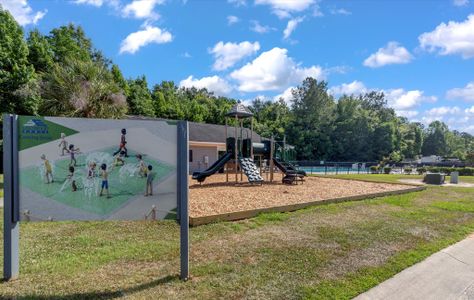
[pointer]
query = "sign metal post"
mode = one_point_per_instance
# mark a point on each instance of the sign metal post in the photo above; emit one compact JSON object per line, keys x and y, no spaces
{"x":183,"y":172}
{"x":11,"y":226}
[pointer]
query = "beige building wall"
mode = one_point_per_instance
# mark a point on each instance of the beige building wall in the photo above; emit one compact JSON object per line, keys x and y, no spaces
{"x":203,"y":155}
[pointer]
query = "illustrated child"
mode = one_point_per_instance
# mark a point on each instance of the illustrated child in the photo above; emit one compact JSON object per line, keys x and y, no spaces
{"x":71,"y":178}
{"x":48,"y":171}
{"x":119,"y":159}
{"x":105,"y":180}
{"x":142,"y":168}
{"x":149,"y":181}
{"x":63,"y":144}
{"x":72,"y":152}
{"x":123,"y":143}
{"x":91,"y":171}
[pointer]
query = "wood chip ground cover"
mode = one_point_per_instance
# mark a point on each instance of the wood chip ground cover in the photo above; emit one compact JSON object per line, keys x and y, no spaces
{"x":215,"y":196}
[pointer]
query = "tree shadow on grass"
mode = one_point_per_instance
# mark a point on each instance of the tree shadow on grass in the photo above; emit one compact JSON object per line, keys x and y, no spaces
{"x":101,"y":295}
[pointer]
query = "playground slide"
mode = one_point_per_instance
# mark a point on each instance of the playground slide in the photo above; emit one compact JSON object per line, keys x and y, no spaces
{"x":288,"y":168}
{"x":215,"y":167}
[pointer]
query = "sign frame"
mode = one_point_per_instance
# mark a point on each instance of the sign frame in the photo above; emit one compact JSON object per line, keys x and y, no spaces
{"x":11,"y":212}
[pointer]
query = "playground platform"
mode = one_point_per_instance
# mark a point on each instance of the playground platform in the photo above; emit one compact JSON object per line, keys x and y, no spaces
{"x":218,"y":200}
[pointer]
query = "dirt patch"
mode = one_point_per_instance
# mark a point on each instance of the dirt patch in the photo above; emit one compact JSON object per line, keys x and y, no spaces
{"x":216,"y":197}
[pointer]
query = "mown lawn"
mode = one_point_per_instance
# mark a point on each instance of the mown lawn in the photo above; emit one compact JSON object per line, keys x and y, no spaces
{"x":334,"y":251}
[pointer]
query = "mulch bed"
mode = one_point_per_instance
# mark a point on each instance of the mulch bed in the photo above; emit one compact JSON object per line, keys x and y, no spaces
{"x":216,"y":197}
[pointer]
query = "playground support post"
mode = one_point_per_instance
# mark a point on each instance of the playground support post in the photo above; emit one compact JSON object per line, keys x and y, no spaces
{"x":183,"y":205}
{"x":236,"y":150}
{"x":11,"y":225}
{"x":251,"y":138}
{"x":226,"y":166}
{"x":241,"y":147}
{"x":272,"y":148}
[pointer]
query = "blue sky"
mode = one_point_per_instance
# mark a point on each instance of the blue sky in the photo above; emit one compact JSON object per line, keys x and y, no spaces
{"x":420,"y":53}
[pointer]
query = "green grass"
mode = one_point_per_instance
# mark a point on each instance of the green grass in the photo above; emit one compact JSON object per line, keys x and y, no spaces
{"x":394,"y":178}
{"x":334,"y":251}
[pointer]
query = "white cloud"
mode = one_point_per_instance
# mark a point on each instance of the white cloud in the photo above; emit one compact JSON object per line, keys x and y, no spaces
{"x":354,"y":88}
{"x":149,"y":35}
{"x":232,"y":20}
{"x":237,"y":3}
{"x":393,"y":53}
{"x":228,"y":54}
{"x":291,"y":26}
{"x":287,"y":95}
{"x":317,"y":10}
{"x":341,"y":11}
{"x":408,"y":113}
{"x":187,"y":55}
{"x":400,"y":99}
{"x":406,"y":104}
{"x":451,"y":38}
{"x":22,"y":11}
{"x":142,"y":9}
{"x":273,"y":70}
{"x":97,"y":3}
{"x":466,"y":93}
{"x":213,"y":84}
{"x":454,"y":116}
{"x":284,"y":8}
{"x":460,"y":2}
{"x":442,"y":111}
{"x":403,"y":102}
{"x":258,"y":28}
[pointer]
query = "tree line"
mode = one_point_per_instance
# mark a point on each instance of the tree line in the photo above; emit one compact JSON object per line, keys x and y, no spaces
{"x":63,"y":74}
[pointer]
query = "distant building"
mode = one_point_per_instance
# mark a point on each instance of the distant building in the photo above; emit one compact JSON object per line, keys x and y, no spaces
{"x":207,"y":142}
{"x":431,"y":159}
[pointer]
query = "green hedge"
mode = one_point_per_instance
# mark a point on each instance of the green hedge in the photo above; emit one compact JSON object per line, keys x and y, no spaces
{"x":374,"y":169}
{"x":467,"y":171}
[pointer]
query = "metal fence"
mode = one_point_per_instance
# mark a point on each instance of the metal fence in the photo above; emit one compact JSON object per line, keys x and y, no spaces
{"x":335,"y":168}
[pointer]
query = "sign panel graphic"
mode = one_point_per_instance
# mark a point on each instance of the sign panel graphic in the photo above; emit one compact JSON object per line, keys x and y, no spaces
{"x":91,"y":169}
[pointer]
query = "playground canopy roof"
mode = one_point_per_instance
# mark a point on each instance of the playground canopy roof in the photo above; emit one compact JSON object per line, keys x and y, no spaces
{"x":239,"y":110}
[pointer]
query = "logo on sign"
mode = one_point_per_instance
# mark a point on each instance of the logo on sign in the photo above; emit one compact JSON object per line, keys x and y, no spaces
{"x":35,"y":126}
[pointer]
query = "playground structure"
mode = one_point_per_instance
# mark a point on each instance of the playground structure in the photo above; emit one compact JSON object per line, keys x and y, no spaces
{"x":242,"y":154}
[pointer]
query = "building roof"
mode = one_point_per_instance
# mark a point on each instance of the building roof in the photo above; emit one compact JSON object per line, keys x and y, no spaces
{"x":210,"y":133}
{"x":201,"y":132}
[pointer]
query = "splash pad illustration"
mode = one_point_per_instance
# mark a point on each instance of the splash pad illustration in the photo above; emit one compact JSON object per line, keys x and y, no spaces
{"x":125,"y":180}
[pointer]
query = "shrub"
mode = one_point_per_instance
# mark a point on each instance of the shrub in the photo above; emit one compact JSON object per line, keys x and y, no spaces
{"x":387,"y":170}
{"x":374,"y":169}
{"x":467,"y":171}
{"x":421,"y":170}
{"x":408,"y":170}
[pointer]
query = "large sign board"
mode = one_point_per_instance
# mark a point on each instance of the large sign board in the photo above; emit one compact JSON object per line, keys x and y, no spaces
{"x":94,"y":169}
{"x":90,"y":169}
